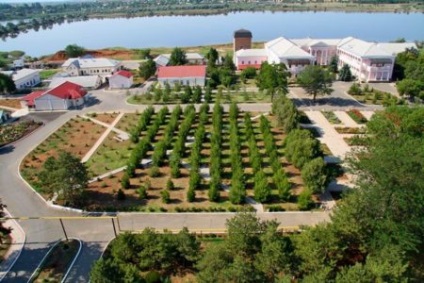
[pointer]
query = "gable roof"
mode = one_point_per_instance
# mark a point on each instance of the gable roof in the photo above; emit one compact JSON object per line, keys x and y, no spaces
{"x":20,"y":74}
{"x":66,"y":90}
{"x":91,"y":62}
{"x":363,"y":48}
{"x":284,"y":48}
{"x":182,"y":71}
{"x":396,"y":47}
{"x":84,"y":81}
{"x":123,"y":73}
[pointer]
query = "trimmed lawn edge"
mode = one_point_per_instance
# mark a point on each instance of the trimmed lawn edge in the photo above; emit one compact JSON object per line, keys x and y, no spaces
{"x":40,"y":267}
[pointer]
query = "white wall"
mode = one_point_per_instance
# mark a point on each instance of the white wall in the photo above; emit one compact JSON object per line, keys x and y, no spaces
{"x":192,"y":81}
{"x":120,"y":82}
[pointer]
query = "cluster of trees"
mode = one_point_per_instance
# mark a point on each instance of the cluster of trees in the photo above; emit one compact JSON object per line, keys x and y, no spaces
{"x":178,"y":150}
{"x":303,"y":150}
{"x":158,"y":255}
{"x":281,"y":181}
{"x":74,"y":50}
{"x":215,"y":156}
{"x":66,"y":176}
{"x":223,"y":74}
{"x":195,"y":156}
{"x":288,"y":117}
{"x":375,"y":233}
{"x":409,"y":70}
{"x":144,"y":144}
{"x":147,"y":68}
{"x":237,"y":190}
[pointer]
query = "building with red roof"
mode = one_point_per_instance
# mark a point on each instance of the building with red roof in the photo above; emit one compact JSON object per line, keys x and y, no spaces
{"x":185,"y":75}
{"x":121,"y":79}
{"x":64,"y":96}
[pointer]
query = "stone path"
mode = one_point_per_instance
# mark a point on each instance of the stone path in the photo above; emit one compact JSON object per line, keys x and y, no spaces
{"x":101,"y":139}
{"x":122,"y":134}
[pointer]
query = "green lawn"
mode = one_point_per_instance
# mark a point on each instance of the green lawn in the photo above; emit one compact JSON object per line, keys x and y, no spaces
{"x":47,"y":74}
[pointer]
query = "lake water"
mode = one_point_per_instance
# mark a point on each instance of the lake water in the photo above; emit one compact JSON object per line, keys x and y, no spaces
{"x":173,"y":31}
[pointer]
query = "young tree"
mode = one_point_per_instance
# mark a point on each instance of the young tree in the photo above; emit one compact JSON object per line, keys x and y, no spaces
{"x":65,"y":175}
{"x":315,"y":81}
{"x":212,"y":57}
{"x":287,"y":114}
{"x":145,"y":53}
{"x":315,"y":175}
{"x":273,"y":78}
{"x":74,"y":50}
{"x":178,"y":57}
{"x":334,"y":62}
{"x":345,"y":75}
{"x":147,"y":69}
{"x":166,"y":197}
{"x":261,"y":190}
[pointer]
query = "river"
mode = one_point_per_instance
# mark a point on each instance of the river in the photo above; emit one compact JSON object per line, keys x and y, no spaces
{"x":173,"y":31}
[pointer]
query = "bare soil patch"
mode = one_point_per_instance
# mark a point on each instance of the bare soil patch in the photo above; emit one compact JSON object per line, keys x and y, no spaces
{"x":12,"y":103}
{"x":106,"y":118}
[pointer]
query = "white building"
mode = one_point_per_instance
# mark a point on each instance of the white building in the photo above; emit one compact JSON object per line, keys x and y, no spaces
{"x":121,"y":79}
{"x":184,"y":75}
{"x":25,"y":78}
{"x":65,"y":96}
{"x":88,"y":66}
{"x":87,"y":82}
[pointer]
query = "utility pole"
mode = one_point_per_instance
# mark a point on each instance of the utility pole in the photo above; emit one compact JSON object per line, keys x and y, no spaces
{"x":63,"y":228}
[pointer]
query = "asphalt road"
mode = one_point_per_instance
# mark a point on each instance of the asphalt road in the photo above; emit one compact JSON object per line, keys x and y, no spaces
{"x":95,"y":233}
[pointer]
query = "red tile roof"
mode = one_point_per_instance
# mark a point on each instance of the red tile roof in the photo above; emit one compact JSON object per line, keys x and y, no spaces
{"x":181,"y":71}
{"x":124,"y":73}
{"x":33,"y":95}
{"x":67,"y":90}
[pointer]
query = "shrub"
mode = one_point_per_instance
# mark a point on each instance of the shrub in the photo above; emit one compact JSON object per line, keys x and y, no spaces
{"x":355,"y":89}
{"x":357,"y":116}
{"x":142,"y":192}
{"x":304,"y":200}
{"x":125,"y":181}
{"x":152,"y":277}
{"x":170,"y":185}
{"x":165,"y":196}
{"x":315,"y":175}
{"x":154,"y":171}
{"x":191,"y":195}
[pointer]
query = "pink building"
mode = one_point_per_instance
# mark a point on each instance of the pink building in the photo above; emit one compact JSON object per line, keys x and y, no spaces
{"x":368,"y":61}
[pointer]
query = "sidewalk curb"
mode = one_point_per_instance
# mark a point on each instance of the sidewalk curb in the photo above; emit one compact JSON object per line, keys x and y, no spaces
{"x":11,"y":258}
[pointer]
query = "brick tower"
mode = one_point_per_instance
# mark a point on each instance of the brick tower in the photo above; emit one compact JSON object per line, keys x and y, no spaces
{"x":242,"y":39}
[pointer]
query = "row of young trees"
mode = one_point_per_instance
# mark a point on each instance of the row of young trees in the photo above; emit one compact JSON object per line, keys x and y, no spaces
{"x":179,"y":146}
{"x":237,"y":192}
{"x":144,"y":144}
{"x":195,"y":155}
{"x":159,"y":153}
{"x":215,"y":156}
{"x":142,"y":124}
{"x":280,"y":179}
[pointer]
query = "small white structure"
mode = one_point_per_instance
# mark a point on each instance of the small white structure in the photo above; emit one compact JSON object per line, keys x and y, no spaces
{"x":62,"y":97}
{"x":88,"y":66}
{"x":88,"y":82}
{"x":191,"y":57}
{"x":25,"y":78}
{"x":121,"y":79}
{"x":19,"y":63}
{"x":185,"y":75}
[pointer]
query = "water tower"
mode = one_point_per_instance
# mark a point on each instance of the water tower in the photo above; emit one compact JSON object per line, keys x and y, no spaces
{"x":242,"y":39}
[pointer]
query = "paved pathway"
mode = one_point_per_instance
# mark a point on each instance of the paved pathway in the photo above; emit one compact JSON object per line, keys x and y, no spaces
{"x":368,"y":114}
{"x":101,"y":139}
{"x":121,"y":133}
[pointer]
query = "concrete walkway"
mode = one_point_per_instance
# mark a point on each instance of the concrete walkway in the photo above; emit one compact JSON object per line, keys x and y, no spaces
{"x":102,"y":138}
{"x":368,"y":114}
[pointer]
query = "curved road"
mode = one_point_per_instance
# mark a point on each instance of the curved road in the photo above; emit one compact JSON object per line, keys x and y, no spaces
{"x":21,"y":200}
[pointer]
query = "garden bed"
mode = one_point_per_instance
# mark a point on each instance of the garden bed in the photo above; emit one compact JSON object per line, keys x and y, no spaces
{"x":331,"y":117}
{"x":357,"y":116}
{"x":16,"y":130}
{"x":57,"y":262}
{"x":350,"y":130}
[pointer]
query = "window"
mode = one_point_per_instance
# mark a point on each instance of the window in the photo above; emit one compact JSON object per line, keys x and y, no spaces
{"x":242,"y":62}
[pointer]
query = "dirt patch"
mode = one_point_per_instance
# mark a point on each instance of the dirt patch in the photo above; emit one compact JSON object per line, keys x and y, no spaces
{"x":106,"y":118}
{"x":120,"y":54}
{"x":12,"y":103}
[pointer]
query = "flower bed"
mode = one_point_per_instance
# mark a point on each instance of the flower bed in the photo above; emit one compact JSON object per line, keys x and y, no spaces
{"x":331,"y":117}
{"x":14,"y":131}
{"x":357,"y":116}
{"x":350,"y":130}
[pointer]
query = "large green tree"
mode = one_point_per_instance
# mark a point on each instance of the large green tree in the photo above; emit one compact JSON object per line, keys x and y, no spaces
{"x":74,"y":50}
{"x":66,"y":176}
{"x":7,"y":85}
{"x":147,"y":68}
{"x":178,"y":57}
{"x":315,"y":81}
{"x":286,"y":112}
{"x":345,"y":75}
{"x":273,"y":78}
